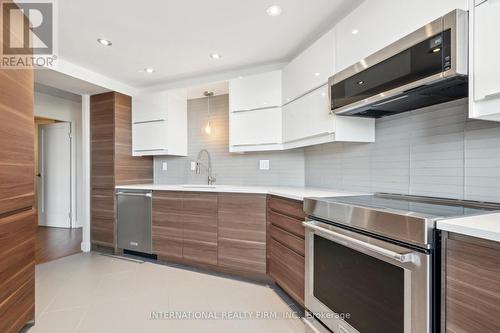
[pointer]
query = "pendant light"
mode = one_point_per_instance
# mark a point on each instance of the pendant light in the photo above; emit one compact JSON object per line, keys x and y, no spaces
{"x":208,"y":127}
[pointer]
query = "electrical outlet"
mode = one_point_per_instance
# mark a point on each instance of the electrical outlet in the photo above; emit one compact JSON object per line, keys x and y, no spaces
{"x":164,"y":166}
{"x":193,"y":165}
{"x":264,"y":164}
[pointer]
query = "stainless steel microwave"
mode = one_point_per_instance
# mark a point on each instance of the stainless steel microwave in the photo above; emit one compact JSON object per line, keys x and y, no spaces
{"x":427,"y":67}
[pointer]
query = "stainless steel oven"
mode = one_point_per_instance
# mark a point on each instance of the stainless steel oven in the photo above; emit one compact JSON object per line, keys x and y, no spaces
{"x":357,"y":283}
{"x":372,"y":261}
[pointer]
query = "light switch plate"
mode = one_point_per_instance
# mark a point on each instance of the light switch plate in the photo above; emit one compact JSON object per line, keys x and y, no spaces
{"x":164,"y":166}
{"x":193,"y":165}
{"x":264,"y":164}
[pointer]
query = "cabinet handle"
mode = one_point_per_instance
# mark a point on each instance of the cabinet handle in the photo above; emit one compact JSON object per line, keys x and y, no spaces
{"x":479,"y":3}
{"x":256,"y":109}
{"x":149,"y":121}
{"x":491,"y":96}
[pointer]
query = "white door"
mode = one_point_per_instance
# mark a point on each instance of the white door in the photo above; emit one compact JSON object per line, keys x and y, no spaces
{"x":54,"y":182}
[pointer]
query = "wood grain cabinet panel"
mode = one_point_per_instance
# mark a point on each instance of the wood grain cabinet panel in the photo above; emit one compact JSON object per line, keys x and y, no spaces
{"x":289,"y":207}
{"x":16,"y":140}
{"x":471,"y":290}
{"x":17,"y":216}
{"x":200,"y":227}
{"x":291,"y":241}
{"x":167,"y":225}
{"x":287,"y":223}
{"x":242,"y":232}
{"x":286,"y":245}
{"x":287,"y":268}
{"x":112,"y":161}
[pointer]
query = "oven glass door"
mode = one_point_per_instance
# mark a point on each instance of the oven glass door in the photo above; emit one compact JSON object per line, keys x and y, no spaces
{"x":369,"y":289}
{"x":370,"y":285}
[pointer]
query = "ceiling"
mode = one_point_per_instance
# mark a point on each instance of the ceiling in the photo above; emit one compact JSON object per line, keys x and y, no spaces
{"x":176,"y":37}
{"x":50,"y":78}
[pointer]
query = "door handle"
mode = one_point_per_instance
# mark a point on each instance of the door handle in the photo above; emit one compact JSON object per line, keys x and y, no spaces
{"x":401,"y":257}
{"x":39,"y":175}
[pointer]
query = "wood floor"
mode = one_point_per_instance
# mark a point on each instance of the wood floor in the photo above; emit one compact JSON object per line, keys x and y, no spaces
{"x":54,"y":243}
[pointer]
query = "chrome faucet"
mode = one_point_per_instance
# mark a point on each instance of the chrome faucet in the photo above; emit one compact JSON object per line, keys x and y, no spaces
{"x":211,"y":179}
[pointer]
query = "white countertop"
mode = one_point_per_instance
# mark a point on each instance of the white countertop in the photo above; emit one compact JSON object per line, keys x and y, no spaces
{"x":485,"y":226}
{"x":297,"y":193}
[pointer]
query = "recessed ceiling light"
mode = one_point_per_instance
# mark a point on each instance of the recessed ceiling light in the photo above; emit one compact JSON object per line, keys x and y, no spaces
{"x":149,"y":70}
{"x":215,"y":56}
{"x":104,"y":42}
{"x":274,"y":10}
{"x":240,"y":77}
{"x":317,"y":74}
{"x":354,"y":31}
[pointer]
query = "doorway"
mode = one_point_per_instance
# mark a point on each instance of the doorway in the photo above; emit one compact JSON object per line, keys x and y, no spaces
{"x":57,"y":234}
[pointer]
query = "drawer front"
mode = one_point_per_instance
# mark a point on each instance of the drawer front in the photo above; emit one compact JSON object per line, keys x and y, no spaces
{"x":167,"y":246}
{"x":242,"y":256}
{"x":200,"y":203}
{"x":287,"y":223}
{"x":287,"y":268}
{"x":472,"y":284}
{"x":201,"y":228}
{"x":200,"y":252}
{"x":287,"y":207}
{"x":242,"y":217}
{"x":293,"y":242}
{"x":165,"y":201}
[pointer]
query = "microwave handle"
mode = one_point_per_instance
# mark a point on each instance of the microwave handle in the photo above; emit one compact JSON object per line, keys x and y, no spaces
{"x":401,"y":257}
{"x":330,"y":86}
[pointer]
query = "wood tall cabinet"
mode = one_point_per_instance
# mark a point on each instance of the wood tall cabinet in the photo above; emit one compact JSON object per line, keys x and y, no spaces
{"x":286,"y":245}
{"x":17,"y":220}
{"x":470,"y":284}
{"x":112,"y":161}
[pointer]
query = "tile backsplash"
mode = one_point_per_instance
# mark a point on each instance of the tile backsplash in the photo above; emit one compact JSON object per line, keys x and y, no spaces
{"x":435,"y":151}
{"x":285,"y":168}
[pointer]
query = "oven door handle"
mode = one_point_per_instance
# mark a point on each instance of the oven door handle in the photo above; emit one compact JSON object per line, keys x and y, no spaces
{"x":401,"y":257}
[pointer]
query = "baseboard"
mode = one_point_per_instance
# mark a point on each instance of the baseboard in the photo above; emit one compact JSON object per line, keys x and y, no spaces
{"x":85,"y":246}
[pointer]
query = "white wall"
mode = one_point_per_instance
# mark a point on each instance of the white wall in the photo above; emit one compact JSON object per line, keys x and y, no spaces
{"x":61,"y":109}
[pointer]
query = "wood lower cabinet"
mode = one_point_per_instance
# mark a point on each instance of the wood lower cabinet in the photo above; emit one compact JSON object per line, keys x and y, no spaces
{"x":470,"y":285}
{"x":200,"y":228}
{"x":286,"y":245}
{"x":185,"y":226}
{"x":242,"y":233}
{"x":253,"y":235}
{"x":112,"y":161}
{"x":167,"y":225}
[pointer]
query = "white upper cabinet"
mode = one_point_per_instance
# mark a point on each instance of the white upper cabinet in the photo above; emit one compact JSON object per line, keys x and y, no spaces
{"x":311,"y":69}
{"x":255,"y":130}
{"x":484,"y":82}
{"x":378,"y":23}
{"x":255,"y":112}
{"x":308,"y":121}
{"x":255,"y":91}
{"x":308,"y":117}
{"x":159,"y":124}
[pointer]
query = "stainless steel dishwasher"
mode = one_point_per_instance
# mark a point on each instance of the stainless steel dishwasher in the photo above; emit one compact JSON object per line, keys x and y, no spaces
{"x":134,"y":220}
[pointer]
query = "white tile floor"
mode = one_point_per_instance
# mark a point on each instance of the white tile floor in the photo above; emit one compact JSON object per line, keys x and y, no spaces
{"x":95,"y":293}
